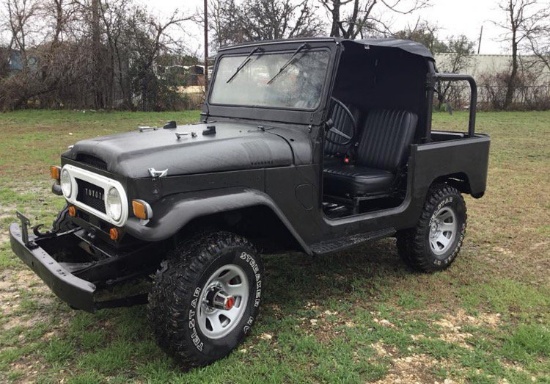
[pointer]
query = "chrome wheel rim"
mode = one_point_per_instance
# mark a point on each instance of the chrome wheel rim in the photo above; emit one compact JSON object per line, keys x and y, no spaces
{"x":229,"y":280}
{"x":443,"y":230}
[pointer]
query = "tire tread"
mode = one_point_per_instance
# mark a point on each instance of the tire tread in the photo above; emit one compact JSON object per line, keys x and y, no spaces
{"x":411,"y":243}
{"x":175,"y":280}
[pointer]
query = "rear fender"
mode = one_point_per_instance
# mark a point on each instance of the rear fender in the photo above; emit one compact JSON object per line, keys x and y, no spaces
{"x":463,"y":161}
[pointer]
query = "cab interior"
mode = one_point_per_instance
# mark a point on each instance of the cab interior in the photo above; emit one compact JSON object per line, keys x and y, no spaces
{"x":379,"y":107}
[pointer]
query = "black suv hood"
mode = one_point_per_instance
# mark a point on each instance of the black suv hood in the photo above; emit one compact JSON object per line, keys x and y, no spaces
{"x":232,"y":147}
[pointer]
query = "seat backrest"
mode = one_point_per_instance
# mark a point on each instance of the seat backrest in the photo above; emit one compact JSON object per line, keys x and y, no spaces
{"x":342,"y":121}
{"x":385,"y":139}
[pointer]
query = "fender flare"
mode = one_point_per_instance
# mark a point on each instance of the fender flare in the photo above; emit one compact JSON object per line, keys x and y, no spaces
{"x":175,"y":211}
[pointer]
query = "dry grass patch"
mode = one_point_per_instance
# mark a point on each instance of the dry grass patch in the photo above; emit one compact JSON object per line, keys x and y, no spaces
{"x":415,"y":369}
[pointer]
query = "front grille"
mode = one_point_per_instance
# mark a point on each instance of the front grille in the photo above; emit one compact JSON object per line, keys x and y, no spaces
{"x":92,"y":160}
{"x":91,"y":195}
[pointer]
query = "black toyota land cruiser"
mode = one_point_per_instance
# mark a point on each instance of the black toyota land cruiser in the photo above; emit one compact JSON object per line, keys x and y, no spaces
{"x":312,"y":145}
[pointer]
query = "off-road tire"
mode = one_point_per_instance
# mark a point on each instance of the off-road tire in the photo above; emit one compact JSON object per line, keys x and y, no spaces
{"x":176,"y":303}
{"x":420,"y":247}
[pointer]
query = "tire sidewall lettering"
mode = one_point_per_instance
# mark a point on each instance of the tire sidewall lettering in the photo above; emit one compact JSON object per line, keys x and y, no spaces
{"x":249,"y":259}
{"x":253,"y":271}
{"x":248,"y":325}
{"x":192,"y":323}
{"x":448,"y":201}
{"x":452,"y":203}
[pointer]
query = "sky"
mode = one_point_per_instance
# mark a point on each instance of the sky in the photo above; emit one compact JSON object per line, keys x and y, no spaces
{"x":453,"y":17}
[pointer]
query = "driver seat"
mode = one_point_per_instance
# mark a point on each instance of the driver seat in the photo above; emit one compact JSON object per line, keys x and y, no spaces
{"x":334,"y":152}
{"x":381,"y":153}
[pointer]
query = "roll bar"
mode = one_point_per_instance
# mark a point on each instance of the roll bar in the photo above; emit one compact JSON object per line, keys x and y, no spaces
{"x":434,"y":77}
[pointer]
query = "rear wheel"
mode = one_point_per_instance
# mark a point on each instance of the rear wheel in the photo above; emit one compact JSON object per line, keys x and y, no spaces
{"x":435,"y":242}
{"x":206,"y":297}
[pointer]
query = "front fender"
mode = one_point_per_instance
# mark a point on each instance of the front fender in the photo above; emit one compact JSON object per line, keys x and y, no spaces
{"x":175,"y":211}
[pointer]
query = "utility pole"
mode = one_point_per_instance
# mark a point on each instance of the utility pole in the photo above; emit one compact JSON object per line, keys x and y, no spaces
{"x":479,"y":44}
{"x":98,"y":58}
{"x":205,"y":46}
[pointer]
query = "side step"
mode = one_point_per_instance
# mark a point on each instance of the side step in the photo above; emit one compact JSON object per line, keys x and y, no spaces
{"x":349,"y":241}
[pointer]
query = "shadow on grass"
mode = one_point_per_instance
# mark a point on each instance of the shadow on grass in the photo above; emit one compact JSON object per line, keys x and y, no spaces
{"x":364,"y":273}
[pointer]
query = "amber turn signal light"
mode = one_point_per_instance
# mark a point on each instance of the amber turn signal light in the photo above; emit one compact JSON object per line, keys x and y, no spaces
{"x":114,"y":234}
{"x":55,"y":172}
{"x":72,"y":211}
{"x":142,"y":210}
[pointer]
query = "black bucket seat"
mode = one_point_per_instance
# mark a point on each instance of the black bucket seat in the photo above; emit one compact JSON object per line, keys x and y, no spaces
{"x":381,"y":153}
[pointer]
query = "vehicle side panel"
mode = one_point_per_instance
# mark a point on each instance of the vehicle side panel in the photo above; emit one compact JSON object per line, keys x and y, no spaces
{"x":295,"y":191}
{"x":467,"y":156}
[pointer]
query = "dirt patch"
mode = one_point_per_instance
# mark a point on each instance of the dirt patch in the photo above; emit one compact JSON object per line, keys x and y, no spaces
{"x":38,"y":187}
{"x":4,"y":237}
{"x":7,"y":213}
{"x":452,"y":326}
{"x":4,"y":216}
{"x":7,"y":210}
{"x":12,"y":285}
{"x":415,"y":369}
{"x":384,"y":323}
{"x":19,"y":289}
{"x":31,"y":370}
{"x":383,"y":350}
{"x":452,"y":333}
{"x":325,"y":325}
{"x":491,"y":320}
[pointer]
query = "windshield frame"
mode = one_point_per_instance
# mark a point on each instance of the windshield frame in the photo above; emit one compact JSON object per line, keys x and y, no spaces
{"x":261,"y":55}
{"x":276,"y":113}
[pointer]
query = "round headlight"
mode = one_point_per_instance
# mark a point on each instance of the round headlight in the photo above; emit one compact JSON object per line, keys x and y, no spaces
{"x":66,"y":185}
{"x":114,"y":204}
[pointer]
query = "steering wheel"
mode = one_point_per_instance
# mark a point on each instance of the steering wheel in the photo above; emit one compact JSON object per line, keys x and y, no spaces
{"x":340,"y":136}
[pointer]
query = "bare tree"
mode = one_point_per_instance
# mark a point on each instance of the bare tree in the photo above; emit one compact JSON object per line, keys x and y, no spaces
{"x":225,"y":17}
{"x":456,"y":55}
{"x":113,"y":16}
{"x":539,"y":36}
{"x":147,"y":38}
{"x":82,"y":53}
{"x":22,"y":19}
{"x":263,"y":20}
{"x":524,"y":17}
{"x":60,"y":17}
{"x":278,"y":19}
{"x":424,"y":33}
{"x":540,"y":45}
{"x":21,"y":15}
{"x":358,"y":18}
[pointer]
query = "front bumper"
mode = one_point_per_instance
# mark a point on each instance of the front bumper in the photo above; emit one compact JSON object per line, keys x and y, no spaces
{"x":76,"y":292}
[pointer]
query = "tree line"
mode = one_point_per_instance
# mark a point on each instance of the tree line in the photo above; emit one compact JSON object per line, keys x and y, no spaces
{"x":109,"y":54}
{"x":87,"y":54}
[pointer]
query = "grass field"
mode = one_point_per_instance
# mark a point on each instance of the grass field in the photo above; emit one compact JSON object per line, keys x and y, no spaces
{"x":357,"y":316}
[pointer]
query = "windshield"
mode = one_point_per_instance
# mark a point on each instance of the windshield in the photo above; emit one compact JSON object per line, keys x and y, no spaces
{"x":259,"y":81}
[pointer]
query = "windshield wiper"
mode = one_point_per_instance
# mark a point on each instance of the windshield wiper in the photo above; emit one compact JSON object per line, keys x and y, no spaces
{"x":288,"y":62}
{"x":241,"y":66}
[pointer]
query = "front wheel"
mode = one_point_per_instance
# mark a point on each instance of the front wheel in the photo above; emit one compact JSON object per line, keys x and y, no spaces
{"x":206,"y":297}
{"x":435,"y":242}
